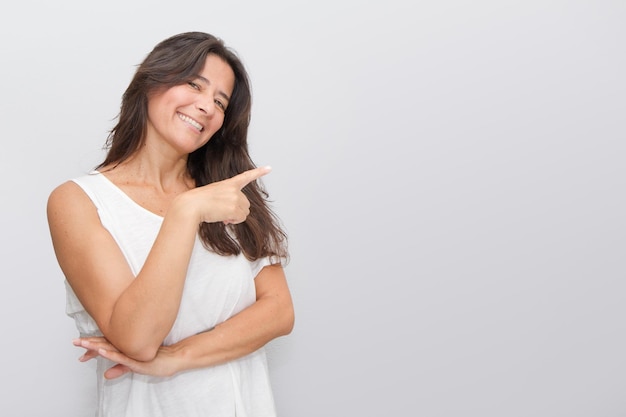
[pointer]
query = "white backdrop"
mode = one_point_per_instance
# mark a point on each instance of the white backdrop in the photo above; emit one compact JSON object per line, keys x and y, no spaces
{"x":451,"y":175}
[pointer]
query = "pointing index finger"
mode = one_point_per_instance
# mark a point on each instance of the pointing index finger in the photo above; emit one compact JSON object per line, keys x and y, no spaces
{"x":250,"y":175}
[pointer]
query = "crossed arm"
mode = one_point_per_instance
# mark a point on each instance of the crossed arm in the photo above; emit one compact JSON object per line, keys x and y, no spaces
{"x":136,"y":313}
{"x":269,"y":317}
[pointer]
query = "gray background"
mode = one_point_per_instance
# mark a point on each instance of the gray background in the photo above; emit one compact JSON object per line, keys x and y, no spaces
{"x":451,"y":174}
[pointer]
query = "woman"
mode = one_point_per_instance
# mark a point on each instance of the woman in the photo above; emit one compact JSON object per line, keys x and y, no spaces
{"x":172,"y":257}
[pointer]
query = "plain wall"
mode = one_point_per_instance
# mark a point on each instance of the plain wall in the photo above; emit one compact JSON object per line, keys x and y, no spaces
{"x":451,"y":175}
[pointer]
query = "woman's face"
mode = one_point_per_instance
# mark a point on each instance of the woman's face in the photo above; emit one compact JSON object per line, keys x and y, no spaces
{"x":184,"y":117}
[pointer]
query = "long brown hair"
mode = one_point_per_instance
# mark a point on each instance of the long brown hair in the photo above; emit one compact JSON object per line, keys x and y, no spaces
{"x":175,"y":61}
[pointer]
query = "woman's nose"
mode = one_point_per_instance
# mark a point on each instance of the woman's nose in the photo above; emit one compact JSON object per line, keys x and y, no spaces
{"x":206,"y":104}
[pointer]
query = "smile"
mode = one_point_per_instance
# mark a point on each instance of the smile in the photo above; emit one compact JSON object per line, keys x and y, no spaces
{"x":190,"y":121}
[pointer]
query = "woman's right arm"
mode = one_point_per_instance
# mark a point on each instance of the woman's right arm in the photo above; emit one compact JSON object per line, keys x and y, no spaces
{"x":133,"y":313}
{"x":136,"y":313}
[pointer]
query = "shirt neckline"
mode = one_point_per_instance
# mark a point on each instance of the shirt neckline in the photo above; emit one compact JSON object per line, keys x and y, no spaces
{"x":126,"y":196}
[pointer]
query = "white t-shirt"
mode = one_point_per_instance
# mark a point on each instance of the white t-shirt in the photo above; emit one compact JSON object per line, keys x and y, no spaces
{"x":216,"y":288}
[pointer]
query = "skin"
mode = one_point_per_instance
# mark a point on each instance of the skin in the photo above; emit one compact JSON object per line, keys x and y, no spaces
{"x":136,"y":313}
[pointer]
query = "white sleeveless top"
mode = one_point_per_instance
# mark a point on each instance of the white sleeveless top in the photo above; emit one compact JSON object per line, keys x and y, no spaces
{"x":216,"y":288}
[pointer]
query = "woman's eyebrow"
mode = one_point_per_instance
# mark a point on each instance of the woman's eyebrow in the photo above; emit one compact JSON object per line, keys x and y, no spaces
{"x":219,"y":92}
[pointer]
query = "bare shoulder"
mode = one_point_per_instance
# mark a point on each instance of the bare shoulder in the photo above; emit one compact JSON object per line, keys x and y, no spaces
{"x":67,"y":201}
{"x":69,"y":205}
{"x":63,"y":191}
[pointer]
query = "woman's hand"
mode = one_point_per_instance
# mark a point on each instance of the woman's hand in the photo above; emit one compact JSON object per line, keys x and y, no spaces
{"x":271,"y":316}
{"x":164,"y":364}
{"x":223,"y":201}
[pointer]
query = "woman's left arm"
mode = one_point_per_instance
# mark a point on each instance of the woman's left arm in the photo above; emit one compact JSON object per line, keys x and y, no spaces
{"x":271,"y":316}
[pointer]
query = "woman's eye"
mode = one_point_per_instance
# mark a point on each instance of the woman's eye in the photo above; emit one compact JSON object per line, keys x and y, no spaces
{"x":220,"y":105}
{"x":194,"y":85}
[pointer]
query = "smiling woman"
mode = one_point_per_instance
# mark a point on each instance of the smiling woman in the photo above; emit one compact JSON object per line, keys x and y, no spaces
{"x":173,"y":259}
{"x":200,"y":105}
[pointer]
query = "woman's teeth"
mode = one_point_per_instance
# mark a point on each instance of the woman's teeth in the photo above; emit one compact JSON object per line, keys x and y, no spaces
{"x":192,"y":122}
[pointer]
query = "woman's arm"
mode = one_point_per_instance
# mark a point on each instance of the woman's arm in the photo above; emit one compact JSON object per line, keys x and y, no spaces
{"x":271,"y":316}
{"x":136,"y":313}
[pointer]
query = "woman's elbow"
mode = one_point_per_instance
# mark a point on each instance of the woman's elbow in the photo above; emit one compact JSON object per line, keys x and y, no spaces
{"x":141,"y":352}
{"x":289,"y":320}
{"x":144,"y":355}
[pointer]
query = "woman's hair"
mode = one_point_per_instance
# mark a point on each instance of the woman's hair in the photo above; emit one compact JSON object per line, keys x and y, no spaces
{"x":175,"y":61}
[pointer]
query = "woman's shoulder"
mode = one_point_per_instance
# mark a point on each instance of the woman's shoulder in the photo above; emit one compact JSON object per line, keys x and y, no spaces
{"x":64,"y":190}
{"x":67,"y":196}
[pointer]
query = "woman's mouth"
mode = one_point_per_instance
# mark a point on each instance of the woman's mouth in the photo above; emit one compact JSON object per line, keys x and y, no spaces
{"x":190,"y":121}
